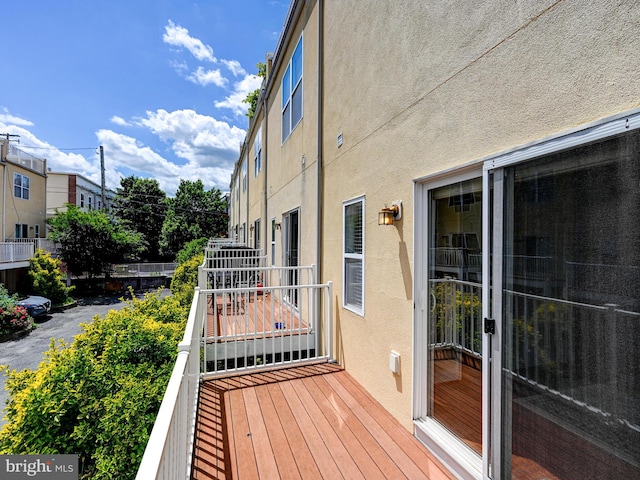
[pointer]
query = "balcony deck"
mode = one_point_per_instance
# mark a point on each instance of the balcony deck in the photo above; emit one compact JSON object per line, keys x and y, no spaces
{"x":310,"y":421}
{"x":250,"y":315}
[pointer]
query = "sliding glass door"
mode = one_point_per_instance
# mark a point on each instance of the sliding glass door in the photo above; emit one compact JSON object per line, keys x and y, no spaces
{"x":569,"y":281}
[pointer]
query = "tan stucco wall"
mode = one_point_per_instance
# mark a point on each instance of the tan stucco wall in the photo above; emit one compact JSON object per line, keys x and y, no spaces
{"x":17,"y":210}
{"x":418,"y":88}
{"x":57,"y":192}
{"x":292,"y":165}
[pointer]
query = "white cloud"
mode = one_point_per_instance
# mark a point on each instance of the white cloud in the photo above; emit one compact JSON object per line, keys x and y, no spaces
{"x":57,"y":160}
{"x":241,"y":89}
{"x":209,"y":146}
{"x":119,"y":121}
{"x":179,"y":37}
{"x":6,"y":117}
{"x":235,"y":67}
{"x":124,"y":156}
{"x":205,"y":77}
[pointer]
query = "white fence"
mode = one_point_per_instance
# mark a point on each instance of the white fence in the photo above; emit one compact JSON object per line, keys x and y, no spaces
{"x":16,"y":252}
{"x":169,"y":451}
{"x":143,"y":269}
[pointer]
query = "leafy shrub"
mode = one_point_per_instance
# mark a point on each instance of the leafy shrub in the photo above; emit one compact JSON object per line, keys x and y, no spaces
{"x":99,"y":396}
{"x":185,"y":280}
{"x":46,"y":277}
{"x":191,"y":249}
{"x":13,"y":317}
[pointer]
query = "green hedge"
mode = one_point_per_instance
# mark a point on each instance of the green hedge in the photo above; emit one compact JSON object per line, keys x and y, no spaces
{"x":99,"y":396}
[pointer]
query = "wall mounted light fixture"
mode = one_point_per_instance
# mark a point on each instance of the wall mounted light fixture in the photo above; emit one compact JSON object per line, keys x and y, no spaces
{"x":387,"y":215}
{"x":277,"y":225}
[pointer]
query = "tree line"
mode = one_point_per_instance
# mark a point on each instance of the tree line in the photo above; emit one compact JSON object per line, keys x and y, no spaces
{"x":143,"y":225}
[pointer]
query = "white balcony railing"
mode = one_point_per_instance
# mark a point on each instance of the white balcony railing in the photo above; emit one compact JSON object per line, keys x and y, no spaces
{"x":249,"y":325}
{"x":16,"y":252}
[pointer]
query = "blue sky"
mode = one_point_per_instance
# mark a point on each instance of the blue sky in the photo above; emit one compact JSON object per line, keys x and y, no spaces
{"x":157,"y":83}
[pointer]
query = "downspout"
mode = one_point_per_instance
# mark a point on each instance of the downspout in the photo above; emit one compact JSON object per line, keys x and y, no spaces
{"x":319,"y":179}
{"x":267,"y":231}
{"x":319,"y":173}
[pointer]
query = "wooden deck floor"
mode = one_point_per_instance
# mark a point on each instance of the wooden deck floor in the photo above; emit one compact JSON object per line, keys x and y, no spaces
{"x":252,"y":315}
{"x":303,"y":422}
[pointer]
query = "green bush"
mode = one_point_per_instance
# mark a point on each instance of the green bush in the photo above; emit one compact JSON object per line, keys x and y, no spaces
{"x":46,"y":278}
{"x":99,"y":396}
{"x":185,"y":280}
{"x":191,"y":249}
{"x":13,"y":317}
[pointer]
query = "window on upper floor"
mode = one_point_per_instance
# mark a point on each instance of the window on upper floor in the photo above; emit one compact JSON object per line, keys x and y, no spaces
{"x":244,"y":175}
{"x":292,"y":93}
{"x":257,"y":153}
{"x":21,"y":186}
{"x":90,"y":203}
{"x":82,"y":200}
{"x":353,"y":255}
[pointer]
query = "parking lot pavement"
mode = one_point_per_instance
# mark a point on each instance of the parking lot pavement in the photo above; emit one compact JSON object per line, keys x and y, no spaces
{"x":27,"y":352}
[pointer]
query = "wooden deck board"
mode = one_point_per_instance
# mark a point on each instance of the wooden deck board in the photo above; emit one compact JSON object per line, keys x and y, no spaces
{"x":256,"y":316}
{"x":302,"y":422}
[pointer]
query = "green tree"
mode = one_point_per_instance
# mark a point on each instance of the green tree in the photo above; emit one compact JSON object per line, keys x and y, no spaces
{"x":193,"y":213}
{"x":141,"y":206}
{"x":46,"y":278}
{"x":90,"y":242}
{"x":99,"y":396}
{"x":253,"y":97}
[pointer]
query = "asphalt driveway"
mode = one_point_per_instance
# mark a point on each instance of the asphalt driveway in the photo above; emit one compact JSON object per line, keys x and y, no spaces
{"x":27,"y":352}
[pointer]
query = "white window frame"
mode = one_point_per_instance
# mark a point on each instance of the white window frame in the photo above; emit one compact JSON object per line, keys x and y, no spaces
{"x":19,"y":189}
{"x":358,"y":309}
{"x":289,"y":89}
{"x":82,"y":200}
{"x":257,"y":153}
{"x":36,"y":231}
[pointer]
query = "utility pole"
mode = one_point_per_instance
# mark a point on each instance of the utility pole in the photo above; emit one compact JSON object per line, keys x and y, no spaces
{"x":104,"y":194}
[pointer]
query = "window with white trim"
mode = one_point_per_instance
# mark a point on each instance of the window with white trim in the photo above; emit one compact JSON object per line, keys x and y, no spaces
{"x":257,"y":153}
{"x":21,"y":186}
{"x":82,"y":200}
{"x":292,"y":93}
{"x":22,"y":230}
{"x":36,"y":232}
{"x":353,"y":255}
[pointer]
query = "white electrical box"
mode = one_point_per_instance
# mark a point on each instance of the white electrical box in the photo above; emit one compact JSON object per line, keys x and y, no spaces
{"x":394,"y":362}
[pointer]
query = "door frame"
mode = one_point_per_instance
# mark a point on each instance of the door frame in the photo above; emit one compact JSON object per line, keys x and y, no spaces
{"x":453,"y":452}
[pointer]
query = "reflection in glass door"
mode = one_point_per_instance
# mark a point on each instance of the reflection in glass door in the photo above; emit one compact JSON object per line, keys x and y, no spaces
{"x":291,"y":250}
{"x":571,"y":314}
{"x":455,"y":310}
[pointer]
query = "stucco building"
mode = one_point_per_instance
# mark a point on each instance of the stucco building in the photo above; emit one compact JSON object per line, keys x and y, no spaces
{"x":505,"y":293}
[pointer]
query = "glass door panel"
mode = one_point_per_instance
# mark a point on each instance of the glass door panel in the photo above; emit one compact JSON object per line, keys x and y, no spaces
{"x":571,"y":314}
{"x":455,"y":310}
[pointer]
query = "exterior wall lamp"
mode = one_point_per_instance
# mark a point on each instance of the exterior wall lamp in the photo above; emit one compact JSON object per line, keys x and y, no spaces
{"x":387,"y":215}
{"x":277,"y":225}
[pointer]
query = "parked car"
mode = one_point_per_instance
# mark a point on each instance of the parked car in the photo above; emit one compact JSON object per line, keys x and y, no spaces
{"x":35,"y":305}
